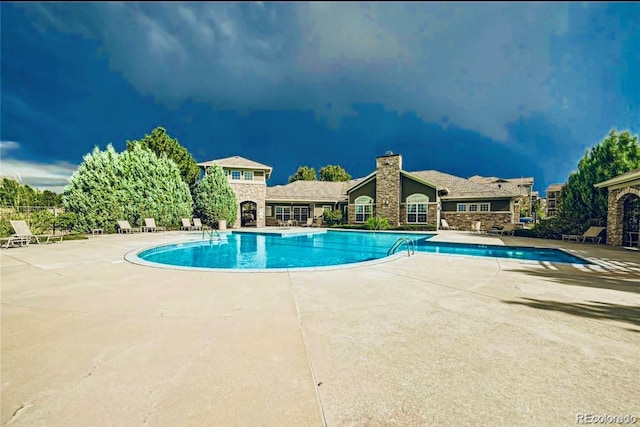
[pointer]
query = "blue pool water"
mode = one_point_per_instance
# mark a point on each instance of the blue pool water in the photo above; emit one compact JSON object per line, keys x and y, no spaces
{"x":267,"y":251}
{"x":512,"y":252}
{"x":260,"y":251}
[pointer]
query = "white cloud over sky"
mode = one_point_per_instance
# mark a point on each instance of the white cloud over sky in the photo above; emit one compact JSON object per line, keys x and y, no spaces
{"x":43,"y":176}
{"x":480,"y":65}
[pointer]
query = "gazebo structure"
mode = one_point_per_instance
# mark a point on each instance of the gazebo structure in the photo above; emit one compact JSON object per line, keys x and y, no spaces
{"x":623,"y":216}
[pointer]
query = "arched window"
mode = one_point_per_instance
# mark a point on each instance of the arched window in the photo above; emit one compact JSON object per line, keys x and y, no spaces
{"x":364,"y":208}
{"x":417,"y":209}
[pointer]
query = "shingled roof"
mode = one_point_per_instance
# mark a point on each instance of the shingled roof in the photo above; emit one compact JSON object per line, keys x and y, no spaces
{"x":321,"y":191}
{"x":237,"y":162}
{"x":461,"y":187}
{"x":326,"y":191}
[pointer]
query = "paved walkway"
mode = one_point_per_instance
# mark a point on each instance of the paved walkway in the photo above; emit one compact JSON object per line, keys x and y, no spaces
{"x":91,"y":340}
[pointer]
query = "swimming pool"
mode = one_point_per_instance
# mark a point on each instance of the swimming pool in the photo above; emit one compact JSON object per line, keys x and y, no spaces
{"x":496,"y":251}
{"x":251,"y":251}
{"x":268,"y":251}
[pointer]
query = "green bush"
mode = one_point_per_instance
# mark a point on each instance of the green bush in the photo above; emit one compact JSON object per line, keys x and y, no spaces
{"x":556,"y":226}
{"x":215,"y":199}
{"x":375,"y":223}
{"x":66,"y":221}
{"x":524,"y":232}
{"x":75,"y":236}
{"x":131,"y":186}
{"x":332,"y":217}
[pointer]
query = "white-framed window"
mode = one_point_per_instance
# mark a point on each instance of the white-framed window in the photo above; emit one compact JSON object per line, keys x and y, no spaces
{"x":417,"y":209}
{"x":248,"y":175}
{"x":300,"y":213}
{"x":269,"y":211}
{"x":236,"y":175}
{"x":473,"y":207}
{"x":283,"y":213}
{"x":462,"y":207}
{"x":364,"y":208}
{"x":327,"y":208}
{"x":485,"y":207}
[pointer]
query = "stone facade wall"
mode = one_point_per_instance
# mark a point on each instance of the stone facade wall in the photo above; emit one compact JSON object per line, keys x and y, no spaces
{"x":615,"y":213}
{"x":255,"y":192}
{"x":463,"y":220}
{"x":388,"y":187}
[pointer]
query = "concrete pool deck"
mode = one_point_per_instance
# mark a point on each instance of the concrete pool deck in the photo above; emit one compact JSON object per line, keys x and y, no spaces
{"x":90,"y":339}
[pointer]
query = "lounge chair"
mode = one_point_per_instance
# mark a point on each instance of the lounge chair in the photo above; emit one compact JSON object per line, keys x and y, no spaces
{"x":150,"y":226}
{"x":186,"y":224}
{"x":592,"y":233}
{"x":475,"y":227}
{"x":197,"y":224}
{"x":15,"y":240}
{"x":445,"y":225}
{"x":318,"y":221}
{"x":309,"y":222}
{"x":486,"y":227}
{"x":125,"y":227}
{"x":23,"y":233}
{"x":508,"y":229}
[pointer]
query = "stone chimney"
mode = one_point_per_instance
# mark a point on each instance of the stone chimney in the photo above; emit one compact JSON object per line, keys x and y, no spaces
{"x":388,"y":187}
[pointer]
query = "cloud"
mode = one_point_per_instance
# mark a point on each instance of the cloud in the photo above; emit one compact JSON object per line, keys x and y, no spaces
{"x":480,"y":65}
{"x":6,"y":146}
{"x":43,"y":176}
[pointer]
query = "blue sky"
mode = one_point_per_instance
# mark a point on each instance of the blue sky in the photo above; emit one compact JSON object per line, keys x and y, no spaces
{"x":492,"y":89}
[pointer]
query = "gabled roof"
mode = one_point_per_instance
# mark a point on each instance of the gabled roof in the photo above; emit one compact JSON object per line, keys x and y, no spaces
{"x":238,"y":162}
{"x":461,"y":187}
{"x":620,"y":179}
{"x":320,"y":191}
{"x":555,"y":187}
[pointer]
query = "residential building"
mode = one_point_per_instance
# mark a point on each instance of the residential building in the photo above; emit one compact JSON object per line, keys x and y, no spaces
{"x":553,"y":199}
{"x":522,"y":186}
{"x":405,"y":198}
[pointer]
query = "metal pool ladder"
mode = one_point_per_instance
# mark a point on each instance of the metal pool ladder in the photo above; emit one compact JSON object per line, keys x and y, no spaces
{"x":411,"y":246}
{"x":211,"y":234}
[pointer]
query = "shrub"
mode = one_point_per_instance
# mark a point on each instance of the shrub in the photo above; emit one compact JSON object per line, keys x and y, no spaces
{"x":524,"y":232}
{"x":332,"y":217}
{"x":555,"y":227}
{"x":214,"y":198}
{"x":66,"y":221}
{"x":131,"y":186}
{"x":375,"y":223}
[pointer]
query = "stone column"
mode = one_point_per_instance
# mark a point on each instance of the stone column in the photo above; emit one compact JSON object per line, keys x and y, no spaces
{"x":388,"y":187}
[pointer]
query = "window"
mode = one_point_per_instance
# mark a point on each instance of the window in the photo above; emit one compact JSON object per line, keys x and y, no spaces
{"x":417,"y":208}
{"x":485,"y":207}
{"x":327,"y":208}
{"x":283,"y":213}
{"x":269,"y":210}
{"x":300,"y":213}
{"x":364,"y":208}
{"x":473,"y":207}
{"x":462,"y":207}
{"x":235,"y":175}
{"x":248,"y":175}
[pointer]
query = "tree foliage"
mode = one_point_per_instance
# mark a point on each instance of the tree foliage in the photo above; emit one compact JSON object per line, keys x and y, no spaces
{"x":214,"y":198}
{"x":333,"y":173}
{"x":304,"y":173}
{"x":164,"y":146}
{"x":12,"y":193}
{"x":133,"y":185}
{"x":581,"y":202}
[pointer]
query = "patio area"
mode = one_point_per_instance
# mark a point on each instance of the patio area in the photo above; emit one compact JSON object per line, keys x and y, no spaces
{"x":91,"y":339}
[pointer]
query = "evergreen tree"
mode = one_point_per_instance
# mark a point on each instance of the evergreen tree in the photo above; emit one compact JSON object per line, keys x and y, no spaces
{"x":214,"y":198}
